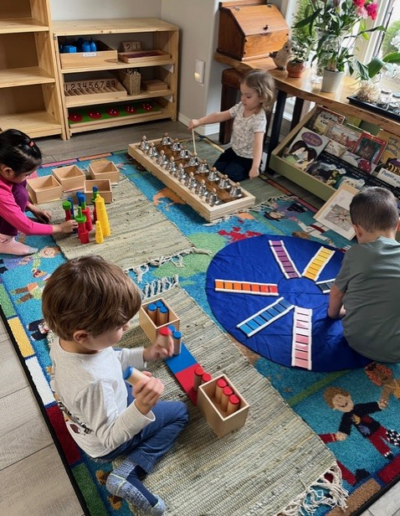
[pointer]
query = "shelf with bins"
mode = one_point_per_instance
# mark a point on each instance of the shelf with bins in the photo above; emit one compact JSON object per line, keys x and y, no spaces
{"x":104,"y":65}
{"x":29,"y":97}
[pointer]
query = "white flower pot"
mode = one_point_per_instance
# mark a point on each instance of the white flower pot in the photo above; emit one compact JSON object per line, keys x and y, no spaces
{"x":331,"y":80}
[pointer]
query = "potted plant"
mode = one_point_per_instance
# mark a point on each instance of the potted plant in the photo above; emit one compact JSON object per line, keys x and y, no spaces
{"x":302,"y":42}
{"x":338,"y":24}
{"x":296,"y":66}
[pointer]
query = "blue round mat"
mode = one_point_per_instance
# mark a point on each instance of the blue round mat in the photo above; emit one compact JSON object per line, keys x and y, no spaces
{"x":253,"y":260}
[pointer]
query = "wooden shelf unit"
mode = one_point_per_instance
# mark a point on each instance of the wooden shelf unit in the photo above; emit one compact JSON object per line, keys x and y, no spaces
{"x":159,"y":34}
{"x":29,"y":95}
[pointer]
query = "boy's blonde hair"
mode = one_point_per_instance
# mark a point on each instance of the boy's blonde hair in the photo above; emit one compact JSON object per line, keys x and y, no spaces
{"x":90,"y":294}
{"x":264,"y":85}
{"x":375,"y":209}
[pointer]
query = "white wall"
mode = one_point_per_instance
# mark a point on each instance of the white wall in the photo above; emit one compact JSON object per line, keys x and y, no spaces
{"x":93,"y":9}
{"x":198,"y":22}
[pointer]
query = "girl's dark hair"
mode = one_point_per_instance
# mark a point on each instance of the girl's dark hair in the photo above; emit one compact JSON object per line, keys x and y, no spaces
{"x":19,"y":152}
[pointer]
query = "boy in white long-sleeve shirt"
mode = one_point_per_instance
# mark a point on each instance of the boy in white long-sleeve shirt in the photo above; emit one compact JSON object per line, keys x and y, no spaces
{"x":88,"y":303}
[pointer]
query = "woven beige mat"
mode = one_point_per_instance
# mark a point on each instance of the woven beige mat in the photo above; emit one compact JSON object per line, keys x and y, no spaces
{"x":266,"y":466}
{"x":140,"y":234}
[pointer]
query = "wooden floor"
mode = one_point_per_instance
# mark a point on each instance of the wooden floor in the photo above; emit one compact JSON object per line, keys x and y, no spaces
{"x":32,"y":478}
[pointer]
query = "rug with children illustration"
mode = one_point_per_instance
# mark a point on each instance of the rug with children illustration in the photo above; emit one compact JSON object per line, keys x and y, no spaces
{"x":363,"y":436}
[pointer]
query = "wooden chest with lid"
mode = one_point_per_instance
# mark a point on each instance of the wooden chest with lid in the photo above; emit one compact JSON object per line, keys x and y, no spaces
{"x":250,"y":29}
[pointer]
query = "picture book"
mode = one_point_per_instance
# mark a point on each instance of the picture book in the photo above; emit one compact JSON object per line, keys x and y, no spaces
{"x":392,"y":149}
{"x":333,"y":171}
{"x":358,"y":161}
{"x":305,"y":148}
{"x":393,"y":165}
{"x":323,"y":118}
{"x":388,"y":177}
{"x":369,"y":147}
{"x":345,"y":135}
{"x":335,"y":148}
{"x":335,"y":213}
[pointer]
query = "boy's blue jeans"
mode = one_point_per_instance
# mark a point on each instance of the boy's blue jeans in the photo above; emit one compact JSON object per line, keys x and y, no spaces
{"x":153,"y":442}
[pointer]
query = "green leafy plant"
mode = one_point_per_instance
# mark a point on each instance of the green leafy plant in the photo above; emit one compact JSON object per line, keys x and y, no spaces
{"x":376,"y":65}
{"x":303,"y":40}
{"x":338,"y":24}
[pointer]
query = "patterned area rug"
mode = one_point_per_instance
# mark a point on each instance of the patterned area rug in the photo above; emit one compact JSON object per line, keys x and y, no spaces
{"x":365,"y":473}
{"x":136,"y":229}
{"x":252,"y":465}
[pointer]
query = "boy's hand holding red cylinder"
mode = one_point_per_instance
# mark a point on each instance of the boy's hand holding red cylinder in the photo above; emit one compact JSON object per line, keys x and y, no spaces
{"x":163,"y":346}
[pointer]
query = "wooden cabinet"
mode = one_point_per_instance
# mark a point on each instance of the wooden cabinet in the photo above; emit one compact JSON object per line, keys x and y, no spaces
{"x":157,"y":63}
{"x":250,"y":29}
{"x":29,"y":96}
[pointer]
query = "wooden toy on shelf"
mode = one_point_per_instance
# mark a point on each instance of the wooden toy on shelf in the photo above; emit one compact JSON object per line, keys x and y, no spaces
{"x":226,"y":415}
{"x":44,"y":189}
{"x":70,"y":177}
{"x":206,"y":190}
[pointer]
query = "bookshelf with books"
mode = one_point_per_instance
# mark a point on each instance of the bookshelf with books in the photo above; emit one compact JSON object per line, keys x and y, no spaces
{"x":348,"y":154}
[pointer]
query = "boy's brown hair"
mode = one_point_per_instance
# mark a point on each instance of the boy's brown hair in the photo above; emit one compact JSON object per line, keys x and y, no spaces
{"x":91,"y":294}
{"x":375,"y":209}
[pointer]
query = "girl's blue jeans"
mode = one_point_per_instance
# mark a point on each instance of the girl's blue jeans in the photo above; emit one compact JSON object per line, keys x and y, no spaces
{"x":153,"y":442}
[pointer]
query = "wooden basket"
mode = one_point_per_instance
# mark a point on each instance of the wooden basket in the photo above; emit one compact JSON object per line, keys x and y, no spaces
{"x":131,"y":81}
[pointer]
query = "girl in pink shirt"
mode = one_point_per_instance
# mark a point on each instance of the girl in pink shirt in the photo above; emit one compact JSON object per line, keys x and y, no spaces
{"x":20,"y":157}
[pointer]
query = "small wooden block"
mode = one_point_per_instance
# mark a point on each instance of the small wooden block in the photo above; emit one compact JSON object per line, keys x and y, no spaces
{"x":104,"y":169}
{"x":154,"y":85}
{"x":128,"y":46}
{"x":44,"y":189}
{"x":216,"y":418}
{"x":104,"y":189}
{"x":148,"y":325}
{"x":70,"y":178}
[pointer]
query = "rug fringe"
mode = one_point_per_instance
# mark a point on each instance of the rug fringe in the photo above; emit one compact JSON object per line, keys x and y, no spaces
{"x":328,"y":490}
{"x":176,"y":259}
{"x":159,"y":286}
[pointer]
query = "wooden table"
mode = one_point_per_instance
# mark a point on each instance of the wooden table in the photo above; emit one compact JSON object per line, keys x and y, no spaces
{"x":304,"y":90}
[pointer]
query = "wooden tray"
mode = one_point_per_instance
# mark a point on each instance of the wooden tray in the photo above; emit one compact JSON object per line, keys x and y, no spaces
{"x":96,"y":90}
{"x":210,"y":213}
{"x":103,"y":56}
{"x":136,"y":56}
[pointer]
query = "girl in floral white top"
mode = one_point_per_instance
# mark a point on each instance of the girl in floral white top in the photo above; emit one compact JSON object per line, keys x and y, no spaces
{"x":243,"y":159}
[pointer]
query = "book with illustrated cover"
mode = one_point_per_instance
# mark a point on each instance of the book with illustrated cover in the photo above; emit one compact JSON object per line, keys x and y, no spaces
{"x":335,"y":213}
{"x":345,"y":135}
{"x":388,"y":177}
{"x":393,"y":165}
{"x":369,"y":147}
{"x":323,"y":118}
{"x":392,"y":149}
{"x":358,"y":161}
{"x":334,"y":172}
{"x":305,"y":148}
{"x":335,"y":148}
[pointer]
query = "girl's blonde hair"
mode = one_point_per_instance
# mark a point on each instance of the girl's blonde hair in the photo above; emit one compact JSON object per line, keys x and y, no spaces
{"x":91,"y":294}
{"x":264,"y":85}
